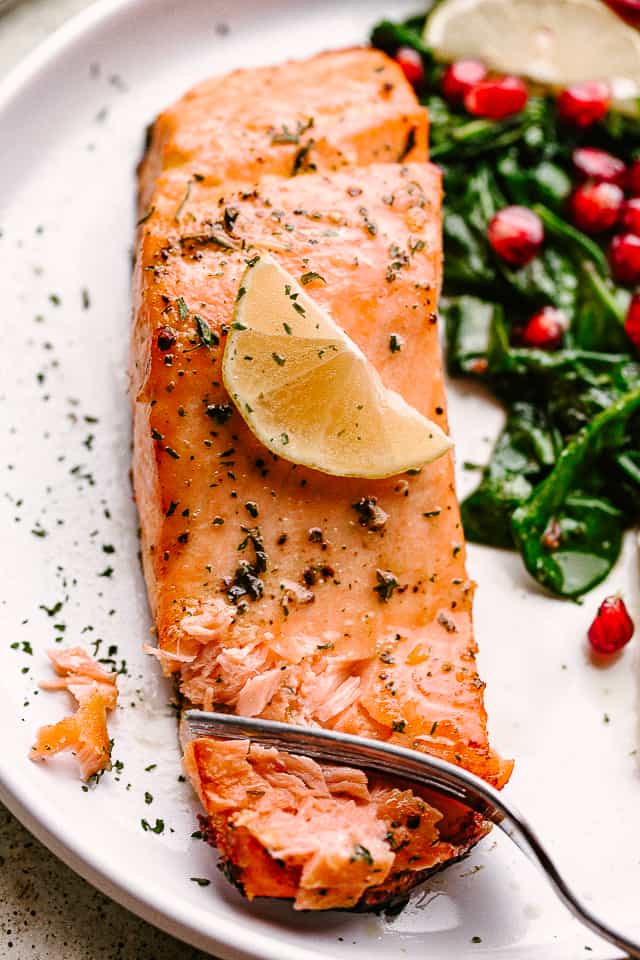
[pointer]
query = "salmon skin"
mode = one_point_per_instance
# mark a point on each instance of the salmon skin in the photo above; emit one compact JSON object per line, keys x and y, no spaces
{"x":278,"y":591}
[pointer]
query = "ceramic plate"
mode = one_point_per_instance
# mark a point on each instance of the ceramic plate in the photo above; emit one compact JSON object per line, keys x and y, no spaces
{"x":72,"y":121}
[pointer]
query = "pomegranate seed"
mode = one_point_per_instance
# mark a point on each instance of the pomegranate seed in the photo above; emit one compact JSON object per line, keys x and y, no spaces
{"x":516,"y":234}
{"x":598,"y":165}
{"x":460,"y":76}
{"x":632,"y":179}
{"x":496,"y":99}
{"x":629,"y":9}
{"x":612,"y":627}
{"x":410,"y":62}
{"x":596,"y":206}
{"x":584,"y":103}
{"x":624,"y":257}
{"x":632,"y":321}
{"x":630,"y":215}
{"x":545,"y":329}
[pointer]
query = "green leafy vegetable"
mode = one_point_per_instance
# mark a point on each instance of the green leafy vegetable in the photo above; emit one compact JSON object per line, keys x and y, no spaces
{"x":563,"y":480}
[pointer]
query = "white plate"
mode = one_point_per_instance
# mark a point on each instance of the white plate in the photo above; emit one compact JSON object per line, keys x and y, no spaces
{"x":71,"y":129}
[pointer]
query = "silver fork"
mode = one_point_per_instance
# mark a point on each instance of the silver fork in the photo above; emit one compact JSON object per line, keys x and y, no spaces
{"x":451,"y":781}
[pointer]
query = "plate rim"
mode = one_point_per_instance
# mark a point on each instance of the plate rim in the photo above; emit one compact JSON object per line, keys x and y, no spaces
{"x":231,"y":940}
{"x":228,"y":941}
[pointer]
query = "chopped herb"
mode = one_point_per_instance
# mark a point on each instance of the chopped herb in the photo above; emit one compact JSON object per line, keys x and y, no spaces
{"x":387,"y":583}
{"x":51,"y":611}
{"x":151,"y":766}
{"x":287,"y":329}
{"x":207,"y":337}
{"x":278,"y":358}
{"x":395,"y":343}
{"x":148,"y":797}
{"x":172,"y":453}
{"x":182,"y":203}
{"x":157,"y":828}
{"x":398,"y":726}
{"x":146,"y":216}
{"x":361,"y":853}
{"x":310,"y":277}
{"x":183,"y":309}
{"x":252,"y":508}
{"x":201,"y":881}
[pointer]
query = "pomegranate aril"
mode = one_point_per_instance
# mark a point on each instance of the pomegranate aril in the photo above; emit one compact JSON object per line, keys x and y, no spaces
{"x":632,"y":179}
{"x":410,"y":62}
{"x":598,"y":165}
{"x":545,"y":329}
{"x":595,"y":207}
{"x":612,"y":627}
{"x":629,"y":9}
{"x":632,"y":321}
{"x":495,"y":99}
{"x":624,"y":258}
{"x":583,"y":104}
{"x":630,"y":215}
{"x":460,"y":77}
{"x":516,"y":234}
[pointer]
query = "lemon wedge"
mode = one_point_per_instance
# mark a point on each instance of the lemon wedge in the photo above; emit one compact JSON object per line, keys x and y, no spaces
{"x":552,"y":42}
{"x":308,"y":393}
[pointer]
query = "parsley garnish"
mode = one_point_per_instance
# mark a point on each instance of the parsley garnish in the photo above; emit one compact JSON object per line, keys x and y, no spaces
{"x":183,"y":309}
{"x":207,"y":337}
{"x":157,"y":828}
{"x":310,"y":277}
{"x":361,"y":853}
{"x":387,"y":583}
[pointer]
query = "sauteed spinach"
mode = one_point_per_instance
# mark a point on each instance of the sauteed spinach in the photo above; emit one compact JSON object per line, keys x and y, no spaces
{"x":563,"y":481}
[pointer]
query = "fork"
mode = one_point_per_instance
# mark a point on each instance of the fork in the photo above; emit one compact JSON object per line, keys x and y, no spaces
{"x":451,"y":781}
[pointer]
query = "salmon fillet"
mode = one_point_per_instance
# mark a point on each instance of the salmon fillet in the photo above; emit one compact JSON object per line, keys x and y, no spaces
{"x":269,"y":582}
{"x":333,"y":110}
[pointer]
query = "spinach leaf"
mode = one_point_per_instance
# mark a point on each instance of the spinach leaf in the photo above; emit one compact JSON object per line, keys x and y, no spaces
{"x":468,"y":322}
{"x":599,"y":322}
{"x":574,"y":240}
{"x":525,"y":451}
{"x":569,"y":541}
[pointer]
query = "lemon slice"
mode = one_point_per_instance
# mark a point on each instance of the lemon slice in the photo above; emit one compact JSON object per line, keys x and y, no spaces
{"x":552,"y":42}
{"x":307,"y":391}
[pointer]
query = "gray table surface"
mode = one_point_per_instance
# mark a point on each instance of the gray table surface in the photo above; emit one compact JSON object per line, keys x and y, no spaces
{"x":46,"y":911}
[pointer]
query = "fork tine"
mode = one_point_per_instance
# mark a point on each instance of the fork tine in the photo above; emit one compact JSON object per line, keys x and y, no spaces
{"x":341,"y":748}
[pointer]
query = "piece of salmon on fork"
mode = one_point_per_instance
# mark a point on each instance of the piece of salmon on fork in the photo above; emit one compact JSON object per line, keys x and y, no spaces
{"x":279,"y":591}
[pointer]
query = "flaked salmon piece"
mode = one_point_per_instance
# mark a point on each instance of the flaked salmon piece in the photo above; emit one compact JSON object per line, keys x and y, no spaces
{"x":85,"y":732}
{"x":328,"y":836}
{"x":333,"y":110}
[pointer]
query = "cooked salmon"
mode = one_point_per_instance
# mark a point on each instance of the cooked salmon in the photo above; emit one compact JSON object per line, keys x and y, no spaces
{"x":85,"y":732}
{"x":333,"y":110}
{"x":281,"y":592}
